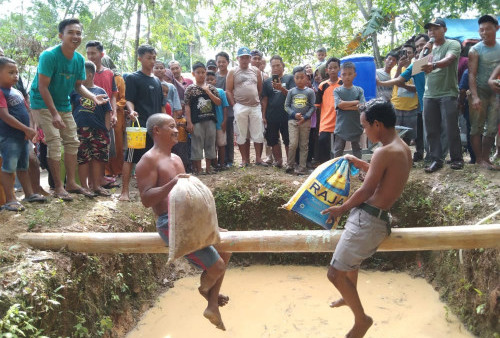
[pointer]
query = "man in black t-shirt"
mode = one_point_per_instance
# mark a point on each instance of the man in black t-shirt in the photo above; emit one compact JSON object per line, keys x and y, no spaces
{"x":274,"y":116}
{"x":144,"y":98}
{"x":222,"y":60}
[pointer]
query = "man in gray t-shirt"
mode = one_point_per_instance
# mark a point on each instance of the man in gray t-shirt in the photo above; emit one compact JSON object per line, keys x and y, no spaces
{"x":384,"y":74}
{"x":483,"y":59}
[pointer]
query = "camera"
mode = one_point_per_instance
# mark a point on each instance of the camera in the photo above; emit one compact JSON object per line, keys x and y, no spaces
{"x":276,"y":78}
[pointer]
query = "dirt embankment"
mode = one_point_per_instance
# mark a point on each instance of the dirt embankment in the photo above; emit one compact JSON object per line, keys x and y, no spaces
{"x":71,"y":294}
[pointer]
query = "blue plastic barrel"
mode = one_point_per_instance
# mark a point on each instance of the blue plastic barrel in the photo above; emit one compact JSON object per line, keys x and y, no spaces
{"x":365,"y":73}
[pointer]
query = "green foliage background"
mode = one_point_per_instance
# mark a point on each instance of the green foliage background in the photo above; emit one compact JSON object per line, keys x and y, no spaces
{"x":294,"y":29}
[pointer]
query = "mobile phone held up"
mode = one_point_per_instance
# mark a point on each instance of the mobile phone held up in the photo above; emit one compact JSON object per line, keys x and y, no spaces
{"x":276,"y":78}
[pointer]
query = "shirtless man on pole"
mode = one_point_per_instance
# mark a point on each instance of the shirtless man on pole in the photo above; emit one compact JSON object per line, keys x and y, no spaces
{"x":157,"y":173}
{"x":369,"y":221}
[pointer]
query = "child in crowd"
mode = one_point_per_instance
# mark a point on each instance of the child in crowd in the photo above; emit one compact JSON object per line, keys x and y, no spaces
{"x":164,"y":88}
{"x":299,"y":105}
{"x":221,"y":114}
{"x":200,"y":100}
{"x":15,"y":133}
{"x":93,"y":135}
{"x":347,"y":100}
{"x":181,"y":148}
{"x":326,"y":104}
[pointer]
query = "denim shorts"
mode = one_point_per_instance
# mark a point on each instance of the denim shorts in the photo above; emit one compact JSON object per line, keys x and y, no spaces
{"x":203,"y":258}
{"x":15,"y":154}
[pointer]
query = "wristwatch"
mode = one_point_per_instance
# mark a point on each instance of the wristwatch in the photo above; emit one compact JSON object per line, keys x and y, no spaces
{"x":434,"y":66}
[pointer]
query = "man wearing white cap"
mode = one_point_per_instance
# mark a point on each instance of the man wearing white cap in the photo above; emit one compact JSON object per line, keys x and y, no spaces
{"x":243,"y":87}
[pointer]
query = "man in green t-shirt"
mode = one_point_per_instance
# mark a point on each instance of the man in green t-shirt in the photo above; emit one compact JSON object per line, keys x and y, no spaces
{"x":440,"y":96}
{"x":60,"y":71}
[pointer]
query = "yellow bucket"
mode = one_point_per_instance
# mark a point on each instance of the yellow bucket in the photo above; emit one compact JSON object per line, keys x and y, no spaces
{"x":136,"y":136}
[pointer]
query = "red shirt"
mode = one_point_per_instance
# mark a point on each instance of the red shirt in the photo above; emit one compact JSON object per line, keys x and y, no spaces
{"x":168,"y":109}
{"x":186,"y":82}
{"x":106,"y":80}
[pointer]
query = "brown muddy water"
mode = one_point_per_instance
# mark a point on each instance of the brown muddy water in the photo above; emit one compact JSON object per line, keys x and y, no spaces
{"x":292,"y":301}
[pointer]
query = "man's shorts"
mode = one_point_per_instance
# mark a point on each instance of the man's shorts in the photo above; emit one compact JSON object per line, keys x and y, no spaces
{"x":408,"y":118}
{"x":249,"y":121}
{"x":134,"y":155}
{"x":54,"y":137}
{"x":203,"y":140}
{"x":485,"y":120}
{"x":221,"y":138}
{"x":362,"y":235}
{"x":273,"y":131}
{"x":15,"y":154}
{"x":203,"y":258}
{"x":93,"y":145}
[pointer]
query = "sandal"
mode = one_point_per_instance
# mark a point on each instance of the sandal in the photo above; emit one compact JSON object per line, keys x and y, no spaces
{"x":102,"y":192}
{"x":63,"y":196}
{"x":35,"y":198}
{"x":13,"y":206}
{"x":262,"y":164}
{"x":111,"y":185}
{"x":83,"y":192}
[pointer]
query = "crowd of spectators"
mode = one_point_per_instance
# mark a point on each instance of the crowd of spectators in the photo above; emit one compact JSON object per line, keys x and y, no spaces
{"x":73,"y":120}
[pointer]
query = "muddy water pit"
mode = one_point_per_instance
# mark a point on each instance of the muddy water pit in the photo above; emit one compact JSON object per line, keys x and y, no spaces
{"x":292,"y":301}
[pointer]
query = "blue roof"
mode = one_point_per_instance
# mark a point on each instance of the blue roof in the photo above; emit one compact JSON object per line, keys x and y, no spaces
{"x":463,"y":29}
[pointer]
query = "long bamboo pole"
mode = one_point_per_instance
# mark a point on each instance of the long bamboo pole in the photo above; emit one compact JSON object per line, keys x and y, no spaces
{"x":409,"y":239}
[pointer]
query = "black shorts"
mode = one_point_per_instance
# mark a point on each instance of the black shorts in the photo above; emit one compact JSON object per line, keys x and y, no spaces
{"x":134,"y":155}
{"x":273,"y":131}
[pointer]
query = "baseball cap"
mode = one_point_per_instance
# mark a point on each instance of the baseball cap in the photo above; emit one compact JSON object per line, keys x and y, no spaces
{"x":243,"y":51}
{"x":435,"y":22}
{"x":211,"y":63}
{"x":256,"y":52}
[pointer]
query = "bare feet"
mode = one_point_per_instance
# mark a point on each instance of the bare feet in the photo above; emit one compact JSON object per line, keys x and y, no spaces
{"x":222,"y":300}
{"x":488,"y":165}
{"x":359,"y":329}
{"x":338,"y":303}
{"x":124,"y":197}
{"x":214,"y":318}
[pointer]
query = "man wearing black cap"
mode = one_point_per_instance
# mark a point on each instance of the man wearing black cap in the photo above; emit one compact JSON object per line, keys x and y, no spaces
{"x":212,"y":65}
{"x":483,"y":58}
{"x":440,"y":96}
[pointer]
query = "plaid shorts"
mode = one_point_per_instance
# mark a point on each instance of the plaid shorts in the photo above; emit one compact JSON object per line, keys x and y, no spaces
{"x":93,"y":145}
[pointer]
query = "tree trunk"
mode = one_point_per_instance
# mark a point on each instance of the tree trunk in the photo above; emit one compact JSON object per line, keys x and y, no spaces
{"x":376,"y":51}
{"x":137,"y":32}
{"x":401,"y":239}
{"x":366,"y":14}
{"x":318,"y":36}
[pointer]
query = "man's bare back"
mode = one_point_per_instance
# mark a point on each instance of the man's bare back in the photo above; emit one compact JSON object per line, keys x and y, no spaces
{"x":386,"y":176}
{"x":395,"y":162}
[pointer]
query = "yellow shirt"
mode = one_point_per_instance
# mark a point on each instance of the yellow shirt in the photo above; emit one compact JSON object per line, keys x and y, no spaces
{"x":403,"y":99}
{"x":182,"y":135}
